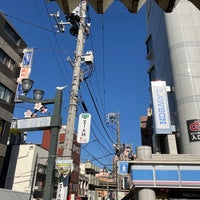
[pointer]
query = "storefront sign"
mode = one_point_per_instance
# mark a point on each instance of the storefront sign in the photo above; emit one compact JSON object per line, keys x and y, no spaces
{"x":193,"y":127}
{"x":161,"y":107}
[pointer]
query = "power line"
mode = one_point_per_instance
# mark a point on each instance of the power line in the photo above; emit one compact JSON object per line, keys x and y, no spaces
{"x":98,"y":113}
{"x":52,"y":48}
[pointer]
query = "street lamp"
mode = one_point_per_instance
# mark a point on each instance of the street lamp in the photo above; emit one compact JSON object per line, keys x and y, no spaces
{"x":55,"y":124}
{"x":27,"y":84}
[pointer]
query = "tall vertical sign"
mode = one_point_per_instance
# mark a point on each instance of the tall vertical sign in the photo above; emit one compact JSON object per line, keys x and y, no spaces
{"x":83,"y":135}
{"x":26,"y":64}
{"x":25,"y":70}
{"x":160,"y":107}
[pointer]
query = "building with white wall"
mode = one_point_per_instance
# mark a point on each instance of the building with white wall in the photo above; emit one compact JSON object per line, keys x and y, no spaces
{"x":26,"y":171}
{"x":173,"y":51}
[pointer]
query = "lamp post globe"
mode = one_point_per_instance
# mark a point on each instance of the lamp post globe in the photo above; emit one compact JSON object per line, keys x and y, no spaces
{"x":38,"y":94}
{"x":27,"y":85}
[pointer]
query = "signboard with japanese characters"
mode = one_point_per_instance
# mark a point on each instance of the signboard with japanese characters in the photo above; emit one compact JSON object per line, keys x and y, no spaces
{"x":19,"y":92}
{"x":24,"y":73}
{"x":193,"y":127}
{"x":36,"y":123}
{"x":83,"y":135}
{"x":64,"y":167}
{"x":26,"y":64}
{"x":27,"y":58}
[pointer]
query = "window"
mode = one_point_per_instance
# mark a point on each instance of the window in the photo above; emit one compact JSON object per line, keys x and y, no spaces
{"x":149,"y":47}
{"x":3,"y":57}
{"x":152,"y":73}
{"x":6,"y":60}
{"x":149,"y":44}
{"x":12,"y":34}
{"x":5,"y":93}
{"x":2,"y":124}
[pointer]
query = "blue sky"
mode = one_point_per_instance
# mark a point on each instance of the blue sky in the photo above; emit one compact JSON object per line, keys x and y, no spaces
{"x":119,"y":82}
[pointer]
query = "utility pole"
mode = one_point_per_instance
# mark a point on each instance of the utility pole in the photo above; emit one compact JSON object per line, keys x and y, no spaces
{"x":77,"y":78}
{"x":114,"y":118}
{"x":80,"y":29}
{"x":74,"y":94}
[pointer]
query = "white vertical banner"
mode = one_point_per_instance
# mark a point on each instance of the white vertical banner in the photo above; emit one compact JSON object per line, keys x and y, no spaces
{"x":84,"y":123}
{"x":25,"y":71}
{"x":162,"y":121}
{"x":62,"y":190}
{"x":64,"y":167}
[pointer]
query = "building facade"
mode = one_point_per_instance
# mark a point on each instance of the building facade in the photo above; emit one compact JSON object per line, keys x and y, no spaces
{"x":173,"y":51}
{"x":26,"y":171}
{"x":87,"y":189}
{"x":162,"y":169}
{"x":11,"y":54}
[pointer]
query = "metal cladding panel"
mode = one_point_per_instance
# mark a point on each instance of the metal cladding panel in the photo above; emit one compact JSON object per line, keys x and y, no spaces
{"x":100,"y":6}
{"x":67,"y":5}
{"x":133,"y":5}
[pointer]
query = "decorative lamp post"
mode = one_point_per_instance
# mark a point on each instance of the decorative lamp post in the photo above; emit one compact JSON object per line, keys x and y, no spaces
{"x":55,"y":124}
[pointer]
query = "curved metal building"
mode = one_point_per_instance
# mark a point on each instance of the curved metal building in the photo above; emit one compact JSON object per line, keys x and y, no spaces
{"x":173,"y":51}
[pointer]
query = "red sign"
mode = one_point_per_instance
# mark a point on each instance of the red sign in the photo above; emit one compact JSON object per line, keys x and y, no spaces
{"x":193,"y":127}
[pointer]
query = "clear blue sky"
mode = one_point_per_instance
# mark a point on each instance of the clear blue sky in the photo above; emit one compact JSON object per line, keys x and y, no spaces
{"x":119,"y":82}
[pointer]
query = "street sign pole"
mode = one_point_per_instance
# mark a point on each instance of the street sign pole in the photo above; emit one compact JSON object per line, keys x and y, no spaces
{"x":55,"y":124}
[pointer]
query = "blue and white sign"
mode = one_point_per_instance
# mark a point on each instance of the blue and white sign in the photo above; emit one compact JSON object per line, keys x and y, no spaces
{"x":190,"y":176}
{"x":161,"y":107}
{"x":142,"y":175}
{"x":19,"y":92}
{"x":174,"y":176}
{"x":122,"y":167}
{"x":27,"y":58}
{"x":167,"y":175}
